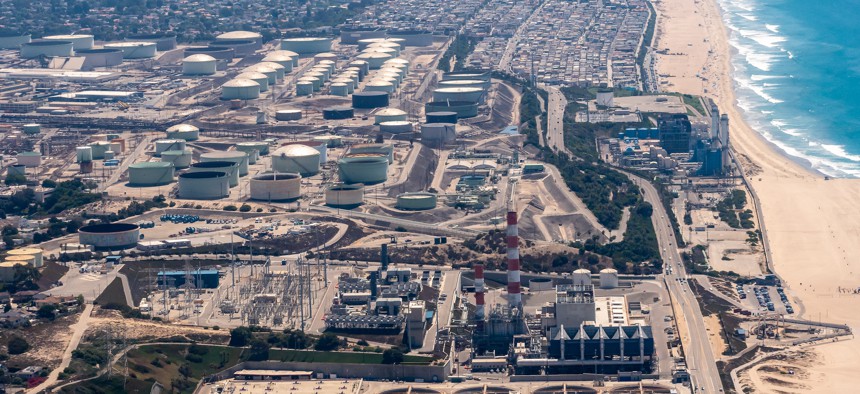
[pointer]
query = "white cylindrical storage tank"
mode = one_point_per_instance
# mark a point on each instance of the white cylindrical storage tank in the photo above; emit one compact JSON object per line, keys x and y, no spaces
{"x":231,"y":168}
{"x":331,"y":65}
{"x":297,"y":158}
{"x":394,"y":52}
{"x":325,"y":56}
{"x":362,"y":65}
{"x":240,"y":158}
{"x":436,"y":133}
{"x":465,"y":83}
{"x":283,"y":60}
{"x":32,"y":128}
{"x":29,"y":159}
{"x":109,"y":235}
{"x":374,"y":59}
{"x":110,"y":155}
{"x":151,"y":173}
{"x":608,"y":278}
{"x":276,"y":187}
{"x":332,"y":141}
{"x":134,"y":49}
{"x":289,"y":114}
{"x":315,"y":74}
{"x":242,"y":36}
{"x":345,"y":80}
{"x":199,"y":64}
{"x":379,"y":86}
{"x":36,"y":253}
{"x":261,"y":79}
{"x":365,"y":42}
{"x":163,"y":41}
{"x":339,"y":89}
{"x":389,"y":115}
{"x":180,"y":158}
{"x":13,"y":40}
{"x":165,"y":145}
{"x":581,"y":277}
{"x":472,"y":95}
{"x":316,"y":81}
{"x":344,"y":196}
{"x":416,"y":201}
{"x":183,"y":131}
{"x":279,"y":69}
{"x":393,"y":71}
{"x":380,"y":148}
{"x":46,"y":48}
{"x":259,"y":146}
{"x":83,"y":154}
{"x":273,"y":71}
{"x":399,"y":63}
{"x":79,"y":41}
{"x":204,"y":185}
{"x":396,"y":127}
{"x":306,"y":45}
{"x":99,"y":148}
{"x":240,"y":89}
{"x":290,"y":54}
{"x":322,"y":70}
{"x":304,"y":88}
{"x":365,"y":168}
{"x":100,"y":57}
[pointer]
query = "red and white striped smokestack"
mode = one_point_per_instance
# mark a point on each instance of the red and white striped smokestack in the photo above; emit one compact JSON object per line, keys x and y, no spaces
{"x":513,"y":240}
{"x":479,"y":291}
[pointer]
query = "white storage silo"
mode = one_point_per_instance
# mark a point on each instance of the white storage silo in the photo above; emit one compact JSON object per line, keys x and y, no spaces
{"x":183,"y":131}
{"x":79,"y":41}
{"x":344,"y":196}
{"x":581,"y":277}
{"x":199,"y":64}
{"x":297,"y":158}
{"x":339,"y":89}
{"x":165,"y":145}
{"x":374,"y":59}
{"x":281,"y":59}
{"x":83,"y":154}
{"x":608,"y":278}
{"x":396,"y":127}
{"x":389,"y":115}
{"x":204,"y":185}
{"x":379,"y":86}
{"x":270,"y":72}
{"x":134,"y":49}
{"x":261,"y":79}
{"x":230,"y":168}
{"x":241,"y":89}
{"x":316,"y":83}
{"x":288,"y":114}
{"x":242,"y":36}
{"x":304,"y":88}
{"x":290,"y":54}
{"x":471,"y":95}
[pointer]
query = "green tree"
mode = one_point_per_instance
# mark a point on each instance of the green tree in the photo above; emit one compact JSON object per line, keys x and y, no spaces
{"x":245,"y":208}
{"x":327,"y":342}
{"x":47,"y":312}
{"x":259,"y":350}
{"x":392,"y":356}
{"x":49,"y":183}
{"x":17,"y":345}
{"x":240,"y":336}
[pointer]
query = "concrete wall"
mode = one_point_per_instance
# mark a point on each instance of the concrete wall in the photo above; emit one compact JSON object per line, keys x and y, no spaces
{"x":437,"y":373}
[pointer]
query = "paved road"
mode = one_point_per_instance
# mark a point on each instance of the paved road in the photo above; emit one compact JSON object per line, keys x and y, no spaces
{"x":77,"y":332}
{"x":694,"y":336}
{"x":410,"y":225}
{"x":555,"y":120}
{"x":450,"y":285}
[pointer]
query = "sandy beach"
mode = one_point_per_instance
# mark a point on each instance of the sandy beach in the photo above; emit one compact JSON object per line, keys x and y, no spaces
{"x":812,"y":223}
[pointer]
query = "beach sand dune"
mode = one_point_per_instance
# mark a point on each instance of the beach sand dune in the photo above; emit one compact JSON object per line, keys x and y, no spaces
{"x":813,"y":224}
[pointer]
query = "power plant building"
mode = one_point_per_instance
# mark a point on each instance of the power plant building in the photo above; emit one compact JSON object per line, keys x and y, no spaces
{"x":675,"y":133}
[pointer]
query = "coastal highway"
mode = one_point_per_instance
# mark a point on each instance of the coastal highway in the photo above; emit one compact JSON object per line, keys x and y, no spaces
{"x":555,"y":119}
{"x":691,"y":327}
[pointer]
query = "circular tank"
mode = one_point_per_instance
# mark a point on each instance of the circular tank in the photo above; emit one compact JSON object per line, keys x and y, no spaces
{"x":274,"y":71}
{"x":365,"y":168}
{"x":164,"y":145}
{"x":240,"y":89}
{"x":374,"y":59}
{"x":608,"y":278}
{"x":377,"y":148}
{"x":461,"y":108}
{"x":441,"y":117}
{"x":152,"y":173}
{"x":38,"y":255}
{"x":362,"y":65}
{"x":331,"y":141}
{"x":79,"y":41}
{"x":325,"y":56}
{"x":32,"y":128}
{"x":471,"y":95}
{"x":644,"y":388}
{"x":22,"y":260}
{"x":46,"y":48}
{"x":276,"y":187}
{"x":315,"y":74}
{"x":288,"y":114}
{"x":307,"y":45}
{"x":110,"y":155}
{"x":399,"y":63}
{"x":204,"y":185}
{"x":296,"y":158}
{"x":183,"y":131}
{"x":394,"y":51}
{"x":241,"y":35}
{"x":367,"y":100}
{"x":581,"y":277}
{"x":180,"y":158}
{"x":240,"y":158}
{"x":396,"y":127}
{"x":102,"y":57}
{"x":13,"y":40}
{"x":282,"y":59}
{"x":99,"y":148}
{"x":465,"y":83}
{"x":134,"y":49}
{"x":483,"y":75}
{"x":261,"y":79}
{"x":416,"y":201}
{"x":325,"y":71}
{"x":290,"y":54}
{"x":339,"y":89}
{"x":351,"y":35}
{"x":241,"y":48}
{"x":316,"y":82}
{"x":83,"y":154}
{"x":17,"y":169}
{"x":109,"y":235}
{"x":304,"y":88}
{"x":219,"y":53}
{"x":336,"y":113}
{"x":344,"y":196}
{"x":379,"y":86}
{"x":261,"y":147}
{"x":436,"y":133}
{"x":344,"y":79}
{"x":413,"y":38}
{"x":163,"y":41}
{"x":231,"y":168}
{"x":199,"y":64}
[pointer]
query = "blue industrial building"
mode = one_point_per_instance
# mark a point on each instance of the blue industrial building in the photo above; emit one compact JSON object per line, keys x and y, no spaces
{"x":202,"y":279}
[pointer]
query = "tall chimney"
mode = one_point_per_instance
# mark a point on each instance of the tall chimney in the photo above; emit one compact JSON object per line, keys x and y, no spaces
{"x":479,"y":292}
{"x":513,"y":239}
{"x":724,"y":130}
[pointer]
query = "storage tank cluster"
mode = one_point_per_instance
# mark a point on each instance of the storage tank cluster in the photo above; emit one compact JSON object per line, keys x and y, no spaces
{"x":254,"y":79}
{"x":276,"y":186}
{"x":36,"y":254}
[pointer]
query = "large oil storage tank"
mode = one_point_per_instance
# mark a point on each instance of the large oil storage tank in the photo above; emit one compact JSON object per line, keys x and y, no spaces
{"x":374,"y":59}
{"x":13,"y":40}
{"x":470,"y":95}
{"x":46,"y":48}
{"x":152,"y":173}
{"x":396,"y":127}
{"x":293,"y":55}
{"x":389,"y":115}
{"x":99,"y":148}
{"x":100,"y":57}
{"x":331,"y":141}
{"x":316,"y":83}
{"x":180,"y":158}
{"x":288,"y":114}
{"x":241,"y":48}
{"x":109,"y":236}
{"x":219,"y":53}
{"x":438,"y":133}
{"x":344,"y":196}
{"x":199,"y":64}
{"x":204,"y":185}
{"x":261,"y":147}
{"x":350,"y":36}
{"x":83,"y":154}
{"x":134,"y":49}
{"x":279,"y":58}
{"x":231,"y":168}
{"x":416,"y":201}
{"x":379,"y":86}
{"x":165,"y":145}
{"x":339,"y":89}
{"x":366,"y":168}
{"x":461,"y":108}
{"x":163,"y":41}
{"x":335,"y":113}
{"x":183,"y":131}
{"x":276,"y":186}
{"x":581,"y":277}
{"x":465,"y":83}
{"x":327,"y":57}
{"x":296,"y":158}
{"x":240,"y":89}
{"x":304,"y":88}
{"x":366,"y":100}
{"x":441,"y":117}
{"x":38,"y":255}
{"x":240,"y":158}
{"x":79,"y":41}
{"x":261,"y":79}
{"x":467,"y":74}
{"x":380,"y":148}
{"x":241,"y":35}
{"x":273,"y":71}
{"x":608,"y":278}
{"x":307,"y":45}
{"x":413,"y":38}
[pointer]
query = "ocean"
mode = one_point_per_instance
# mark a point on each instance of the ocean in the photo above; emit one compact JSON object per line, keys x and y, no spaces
{"x":797,"y":76}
